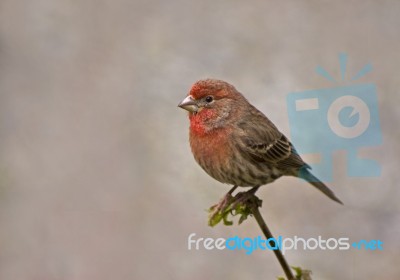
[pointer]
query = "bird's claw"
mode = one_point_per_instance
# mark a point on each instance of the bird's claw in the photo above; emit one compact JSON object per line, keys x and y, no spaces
{"x":220,"y":211}
{"x":241,"y":198}
{"x":240,"y":204}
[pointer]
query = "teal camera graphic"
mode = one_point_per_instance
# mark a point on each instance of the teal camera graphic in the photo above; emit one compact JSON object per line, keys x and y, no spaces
{"x":340,"y":118}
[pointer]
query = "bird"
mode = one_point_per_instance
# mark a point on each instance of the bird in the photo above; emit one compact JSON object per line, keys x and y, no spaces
{"x":237,"y":144}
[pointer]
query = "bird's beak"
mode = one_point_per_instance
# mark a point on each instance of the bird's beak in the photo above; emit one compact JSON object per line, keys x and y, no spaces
{"x":189,"y":104}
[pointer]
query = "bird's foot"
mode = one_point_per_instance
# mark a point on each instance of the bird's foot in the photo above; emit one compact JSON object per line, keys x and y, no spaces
{"x":221,"y":210}
{"x":244,"y":198}
{"x":240,"y":204}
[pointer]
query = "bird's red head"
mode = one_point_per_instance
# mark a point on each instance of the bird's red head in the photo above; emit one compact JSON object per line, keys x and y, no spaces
{"x":210,"y":104}
{"x":216,"y":88}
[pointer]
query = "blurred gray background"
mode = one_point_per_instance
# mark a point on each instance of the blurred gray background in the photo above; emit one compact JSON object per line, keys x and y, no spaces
{"x":97,"y":180}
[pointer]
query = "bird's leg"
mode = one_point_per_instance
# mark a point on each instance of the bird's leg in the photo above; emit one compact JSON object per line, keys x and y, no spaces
{"x":240,"y":204}
{"x":223,"y":204}
{"x":229,"y":200}
{"x":231,"y":190}
{"x":225,"y":201}
{"x":244,"y":196}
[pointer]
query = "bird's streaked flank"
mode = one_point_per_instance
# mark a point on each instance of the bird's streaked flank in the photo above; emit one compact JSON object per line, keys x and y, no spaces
{"x":237,"y":144}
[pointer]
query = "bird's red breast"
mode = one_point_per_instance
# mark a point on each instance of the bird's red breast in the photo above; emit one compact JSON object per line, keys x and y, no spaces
{"x":210,"y":147}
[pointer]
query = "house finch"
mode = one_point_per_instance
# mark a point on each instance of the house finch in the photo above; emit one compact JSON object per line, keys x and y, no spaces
{"x":237,"y":144}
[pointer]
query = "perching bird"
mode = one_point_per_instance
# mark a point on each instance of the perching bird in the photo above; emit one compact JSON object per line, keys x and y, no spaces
{"x":237,"y":144}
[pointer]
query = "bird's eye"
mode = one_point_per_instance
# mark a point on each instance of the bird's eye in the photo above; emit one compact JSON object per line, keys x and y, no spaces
{"x":209,"y":99}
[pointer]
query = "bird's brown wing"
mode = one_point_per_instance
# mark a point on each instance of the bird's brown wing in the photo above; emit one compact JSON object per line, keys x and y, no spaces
{"x":265,"y":143}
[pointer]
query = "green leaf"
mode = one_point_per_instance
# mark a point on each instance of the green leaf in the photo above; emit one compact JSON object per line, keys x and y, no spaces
{"x":232,"y":207}
{"x":299,"y":271}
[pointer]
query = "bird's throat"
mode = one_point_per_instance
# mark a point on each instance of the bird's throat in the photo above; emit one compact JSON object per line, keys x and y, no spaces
{"x":201,"y":123}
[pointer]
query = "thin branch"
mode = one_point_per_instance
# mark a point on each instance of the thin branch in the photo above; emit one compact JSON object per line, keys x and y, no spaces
{"x":264,"y":228}
{"x":245,"y":204}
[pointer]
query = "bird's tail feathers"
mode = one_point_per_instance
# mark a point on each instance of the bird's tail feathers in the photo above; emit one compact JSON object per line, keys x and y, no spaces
{"x":309,"y":177}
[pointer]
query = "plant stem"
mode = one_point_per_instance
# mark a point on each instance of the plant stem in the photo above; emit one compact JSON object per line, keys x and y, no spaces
{"x":264,"y":228}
